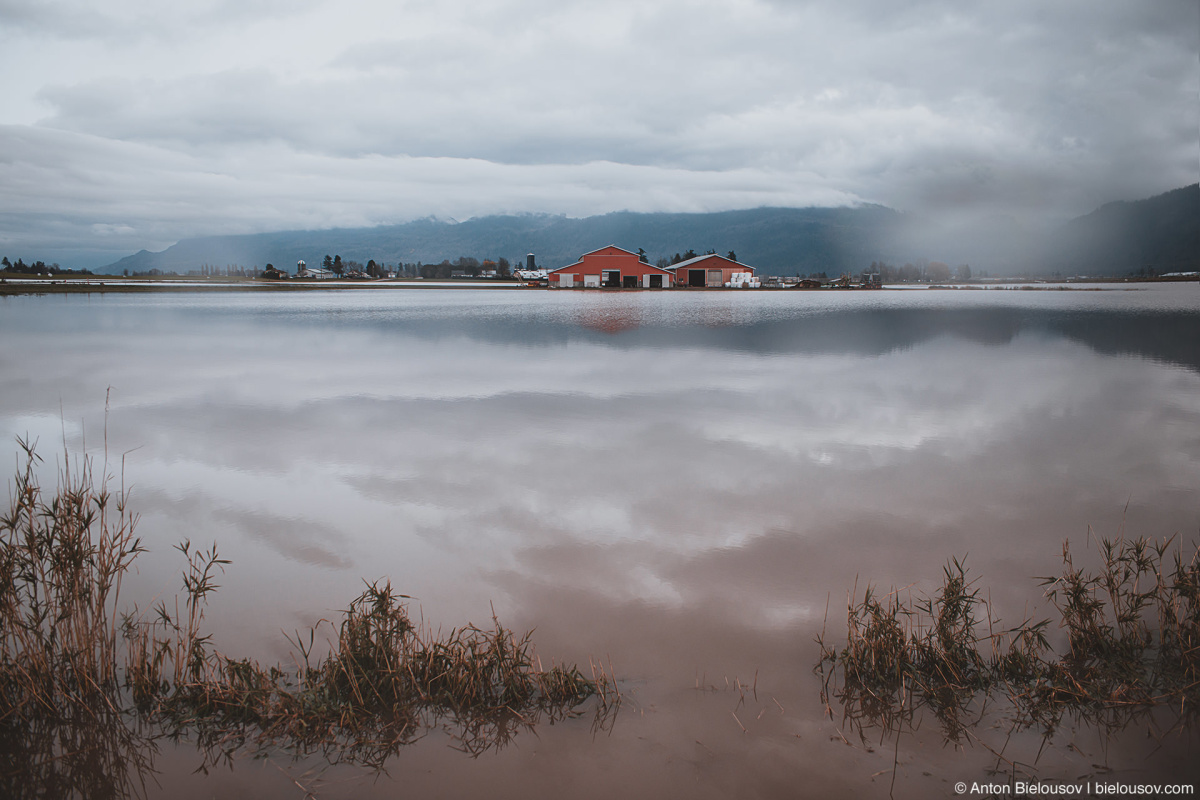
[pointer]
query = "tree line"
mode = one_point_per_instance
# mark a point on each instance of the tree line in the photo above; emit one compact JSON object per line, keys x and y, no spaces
{"x":19,"y":267}
{"x":464,"y":266}
{"x":911,"y":273}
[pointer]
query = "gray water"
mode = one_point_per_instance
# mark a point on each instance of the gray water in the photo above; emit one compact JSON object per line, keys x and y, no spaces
{"x":682,"y":484}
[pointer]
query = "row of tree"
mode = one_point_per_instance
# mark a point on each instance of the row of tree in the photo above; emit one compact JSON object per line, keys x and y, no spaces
{"x":911,"y":273}
{"x":210,"y":271}
{"x":466,"y":266}
{"x":19,"y":267}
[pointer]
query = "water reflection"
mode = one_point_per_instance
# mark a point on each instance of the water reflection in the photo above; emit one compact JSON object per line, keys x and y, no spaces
{"x":1129,"y":659}
{"x":684,"y":483}
{"x":93,"y":751}
{"x":90,"y":750}
{"x":609,"y":317}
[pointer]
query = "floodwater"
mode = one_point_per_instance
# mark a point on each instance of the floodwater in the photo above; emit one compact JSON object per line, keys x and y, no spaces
{"x":682,"y":484}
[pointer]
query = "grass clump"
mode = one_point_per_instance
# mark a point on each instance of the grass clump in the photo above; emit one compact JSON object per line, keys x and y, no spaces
{"x":1133,"y":628}
{"x":384,"y":683}
{"x":61,"y":564}
{"x":86,"y":688}
{"x":63,"y":729}
{"x":1132,"y":632}
{"x":899,"y":657}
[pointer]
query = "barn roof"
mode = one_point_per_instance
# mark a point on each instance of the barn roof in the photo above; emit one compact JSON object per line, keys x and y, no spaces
{"x":607,"y":247}
{"x":645,"y":265}
{"x":707,"y":256}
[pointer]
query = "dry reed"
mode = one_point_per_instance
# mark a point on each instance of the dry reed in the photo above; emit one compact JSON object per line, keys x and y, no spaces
{"x":85,"y":687}
{"x":1133,"y":646}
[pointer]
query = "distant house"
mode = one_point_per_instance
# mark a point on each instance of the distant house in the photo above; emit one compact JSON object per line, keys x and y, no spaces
{"x":610,"y":267}
{"x":530,"y":277}
{"x":315,"y":274}
{"x":710,"y":270}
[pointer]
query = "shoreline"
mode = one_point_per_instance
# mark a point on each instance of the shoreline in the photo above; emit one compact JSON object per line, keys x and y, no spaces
{"x":120,"y":284}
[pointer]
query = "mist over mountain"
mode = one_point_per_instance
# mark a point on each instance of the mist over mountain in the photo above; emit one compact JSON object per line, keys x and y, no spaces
{"x":1162,"y":232}
{"x":777,"y":240}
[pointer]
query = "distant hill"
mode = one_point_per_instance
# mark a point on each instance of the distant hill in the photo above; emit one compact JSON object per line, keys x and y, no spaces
{"x":1162,"y":231}
{"x":777,"y":240}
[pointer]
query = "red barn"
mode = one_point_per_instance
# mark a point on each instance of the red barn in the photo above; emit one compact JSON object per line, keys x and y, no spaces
{"x":612,"y":267}
{"x":711,"y":270}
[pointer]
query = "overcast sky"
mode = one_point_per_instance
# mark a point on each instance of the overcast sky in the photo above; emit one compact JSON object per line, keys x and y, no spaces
{"x":129,"y":124}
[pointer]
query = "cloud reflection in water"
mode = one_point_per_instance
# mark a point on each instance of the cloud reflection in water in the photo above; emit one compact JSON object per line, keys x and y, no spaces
{"x":683,"y":483}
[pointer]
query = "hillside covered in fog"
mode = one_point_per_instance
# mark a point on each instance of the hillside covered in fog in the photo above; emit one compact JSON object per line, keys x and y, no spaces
{"x":1161,"y":234}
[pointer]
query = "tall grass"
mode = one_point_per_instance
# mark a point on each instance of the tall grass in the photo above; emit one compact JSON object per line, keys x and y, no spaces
{"x":62,"y":558}
{"x":86,"y":686}
{"x":61,"y":564}
{"x":384,"y":683}
{"x":1132,"y":632}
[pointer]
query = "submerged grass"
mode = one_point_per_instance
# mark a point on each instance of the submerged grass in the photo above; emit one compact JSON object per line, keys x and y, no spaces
{"x":384,"y":684}
{"x":1132,"y":632}
{"x":86,"y":687}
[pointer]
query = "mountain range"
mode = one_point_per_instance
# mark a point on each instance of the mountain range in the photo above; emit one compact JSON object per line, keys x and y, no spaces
{"x":1160,"y":233}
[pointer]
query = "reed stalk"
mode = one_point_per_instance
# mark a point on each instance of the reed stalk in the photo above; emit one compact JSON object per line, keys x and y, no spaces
{"x":77,"y":668}
{"x":1133,"y":645}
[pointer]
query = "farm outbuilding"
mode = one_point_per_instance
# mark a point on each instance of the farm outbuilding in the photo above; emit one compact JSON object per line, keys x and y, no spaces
{"x":611,"y":267}
{"x":709,"y":270}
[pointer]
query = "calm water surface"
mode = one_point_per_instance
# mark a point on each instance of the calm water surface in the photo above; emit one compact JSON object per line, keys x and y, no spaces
{"x":681,"y":483}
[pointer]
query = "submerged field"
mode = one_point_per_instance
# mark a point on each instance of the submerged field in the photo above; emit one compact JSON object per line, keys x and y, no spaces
{"x":685,"y":488}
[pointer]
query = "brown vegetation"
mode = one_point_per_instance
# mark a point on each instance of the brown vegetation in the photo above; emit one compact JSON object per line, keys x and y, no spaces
{"x":86,"y":689}
{"x":1133,"y":645}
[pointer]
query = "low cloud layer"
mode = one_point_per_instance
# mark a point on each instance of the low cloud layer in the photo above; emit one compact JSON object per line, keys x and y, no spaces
{"x":128,"y":125}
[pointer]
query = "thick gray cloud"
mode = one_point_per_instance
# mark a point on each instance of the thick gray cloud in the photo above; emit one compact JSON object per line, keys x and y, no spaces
{"x":128,"y":124}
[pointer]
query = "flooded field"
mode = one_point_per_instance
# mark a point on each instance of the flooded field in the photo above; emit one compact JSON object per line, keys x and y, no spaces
{"x":685,"y":486}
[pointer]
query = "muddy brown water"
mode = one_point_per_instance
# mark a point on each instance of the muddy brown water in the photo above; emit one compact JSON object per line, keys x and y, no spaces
{"x":684,"y":485}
